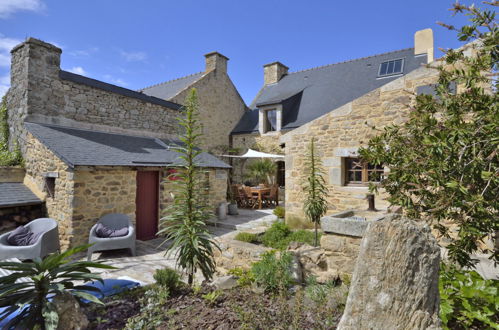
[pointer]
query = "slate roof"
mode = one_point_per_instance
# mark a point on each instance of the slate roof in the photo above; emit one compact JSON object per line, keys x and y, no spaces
{"x":65,"y":75}
{"x":93,"y":148}
{"x":169,"y":89}
{"x":15,"y":194}
{"x":309,"y":94}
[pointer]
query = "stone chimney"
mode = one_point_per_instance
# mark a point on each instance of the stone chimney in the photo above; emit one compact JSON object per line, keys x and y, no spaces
{"x":216,"y":61}
{"x":35,"y":65}
{"x":273,"y":72}
{"x":423,"y":43}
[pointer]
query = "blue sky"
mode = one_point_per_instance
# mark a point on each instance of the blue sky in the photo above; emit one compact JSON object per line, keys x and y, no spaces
{"x":135,"y":44}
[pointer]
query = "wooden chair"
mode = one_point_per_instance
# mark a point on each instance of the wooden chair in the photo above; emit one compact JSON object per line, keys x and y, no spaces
{"x":271,"y":199}
{"x":238,"y":195}
{"x":251,"y":200}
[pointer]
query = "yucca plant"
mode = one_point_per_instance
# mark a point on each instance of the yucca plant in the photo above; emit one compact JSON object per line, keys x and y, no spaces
{"x":315,"y":189}
{"x":53,"y":275}
{"x":184,"y":223}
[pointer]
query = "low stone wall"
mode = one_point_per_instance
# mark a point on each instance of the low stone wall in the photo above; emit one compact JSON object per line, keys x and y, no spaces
{"x":234,"y":254}
{"x":11,"y":174}
{"x":12,"y":217}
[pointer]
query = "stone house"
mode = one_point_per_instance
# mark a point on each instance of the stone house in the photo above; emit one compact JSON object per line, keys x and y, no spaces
{"x":336,"y":104}
{"x":93,"y":148}
{"x":221,"y":105}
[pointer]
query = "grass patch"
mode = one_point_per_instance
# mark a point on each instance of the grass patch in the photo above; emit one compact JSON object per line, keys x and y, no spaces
{"x":247,"y":237}
{"x":279,"y":236}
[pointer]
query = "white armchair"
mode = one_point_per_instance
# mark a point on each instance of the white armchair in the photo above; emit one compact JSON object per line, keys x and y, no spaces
{"x":112,"y":221}
{"x":48,"y":242}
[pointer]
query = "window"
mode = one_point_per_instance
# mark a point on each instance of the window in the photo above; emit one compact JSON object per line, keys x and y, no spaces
{"x":358,"y":172}
{"x":391,"y":67}
{"x":271,"y":120}
{"x":50,"y":186}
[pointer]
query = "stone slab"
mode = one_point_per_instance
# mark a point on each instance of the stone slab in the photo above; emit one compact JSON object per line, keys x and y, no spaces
{"x":342,"y":226}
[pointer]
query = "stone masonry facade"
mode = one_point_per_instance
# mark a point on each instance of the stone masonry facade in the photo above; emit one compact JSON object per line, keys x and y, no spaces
{"x":221,"y":106}
{"x":77,"y":196}
{"x":339,"y":134}
{"x":39,"y":94}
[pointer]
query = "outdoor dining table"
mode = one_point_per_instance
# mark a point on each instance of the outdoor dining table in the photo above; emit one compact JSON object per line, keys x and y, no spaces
{"x":260,"y":191}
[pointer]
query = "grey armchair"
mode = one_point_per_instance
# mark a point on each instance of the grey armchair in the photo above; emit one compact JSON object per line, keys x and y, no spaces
{"x":48,"y":242}
{"x":112,"y":221}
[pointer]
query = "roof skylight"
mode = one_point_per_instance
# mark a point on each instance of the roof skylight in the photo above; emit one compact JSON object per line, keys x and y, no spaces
{"x":392,"y":67}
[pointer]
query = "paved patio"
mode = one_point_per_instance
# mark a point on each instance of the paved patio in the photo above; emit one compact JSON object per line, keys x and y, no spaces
{"x":151,"y":256}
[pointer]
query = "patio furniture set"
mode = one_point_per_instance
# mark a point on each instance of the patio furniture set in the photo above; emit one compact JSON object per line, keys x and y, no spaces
{"x":256,"y":197}
{"x":40,"y":237}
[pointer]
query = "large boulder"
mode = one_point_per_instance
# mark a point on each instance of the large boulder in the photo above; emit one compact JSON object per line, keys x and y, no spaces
{"x":395,"y":281}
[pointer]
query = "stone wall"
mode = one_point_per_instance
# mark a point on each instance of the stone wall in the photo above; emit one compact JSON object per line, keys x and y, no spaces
{"x":268,"y":142}
{"x":221,"y":107}
{"x":38,"y":94}
{"x":11,"y":174}
{"x":98,"y":192}
{"x":39,"y":160}
{"x":339,"y":134}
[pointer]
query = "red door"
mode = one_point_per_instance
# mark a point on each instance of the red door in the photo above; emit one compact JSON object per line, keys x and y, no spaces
{"x":147,"y":204}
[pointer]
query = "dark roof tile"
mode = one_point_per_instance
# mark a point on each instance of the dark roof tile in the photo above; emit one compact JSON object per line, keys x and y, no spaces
{"x":309,"y":94}
{"x":93,"y":148}
{"x":169,"y":89}
{"x":16,"y":194}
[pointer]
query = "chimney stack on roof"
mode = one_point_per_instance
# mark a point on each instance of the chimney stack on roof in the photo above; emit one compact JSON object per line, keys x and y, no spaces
{"x":273,"y":72}
{"x":216,"y":61}
{"x":423,"y":43}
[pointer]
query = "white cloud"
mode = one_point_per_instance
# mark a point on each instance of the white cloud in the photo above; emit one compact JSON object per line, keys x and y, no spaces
{"x":115,"y":81}
{"x":6,"y":44}
{"x":8,"y":7}
{"x":133,"y":56}
{"x":4,"y":84}
{"x":83,"y":52}
{"x":78,"y":70}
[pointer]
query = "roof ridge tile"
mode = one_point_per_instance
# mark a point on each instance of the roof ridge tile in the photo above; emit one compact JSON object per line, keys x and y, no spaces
{"x":170,"y":81}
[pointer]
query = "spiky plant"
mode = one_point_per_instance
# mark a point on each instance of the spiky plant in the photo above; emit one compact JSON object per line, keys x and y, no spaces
{"x":263,"y":170}
{"x":53,"y":275}
{"x":315,"y":189}
{"x":184,"y":223}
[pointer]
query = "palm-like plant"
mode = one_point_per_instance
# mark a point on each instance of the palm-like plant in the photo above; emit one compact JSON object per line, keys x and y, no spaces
{"x":185,"y":220}
{"x":315,"y":205}
{"x":48,"y":277}
{"x":263,"y":171}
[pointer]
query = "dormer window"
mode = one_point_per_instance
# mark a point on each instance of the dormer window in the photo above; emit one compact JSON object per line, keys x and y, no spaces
{"x":270,"y":120}
{"x":392,"y":67}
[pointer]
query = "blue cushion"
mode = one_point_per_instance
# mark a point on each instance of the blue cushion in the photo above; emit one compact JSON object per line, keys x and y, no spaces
{"x":110,"y":287}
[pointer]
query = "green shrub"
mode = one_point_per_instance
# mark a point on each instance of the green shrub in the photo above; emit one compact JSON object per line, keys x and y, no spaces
{"x":273,"y":273}
{"x":247,"y":237}
{"x":279,"y":212}
{"x":212,"y":297}
{"x":152,"y":311}
{"x":302,"y":236}
{"x":275,"y":234}
{"x":244,"y":277}
{"x":467,"y":300}
{"x":167,"y":278}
